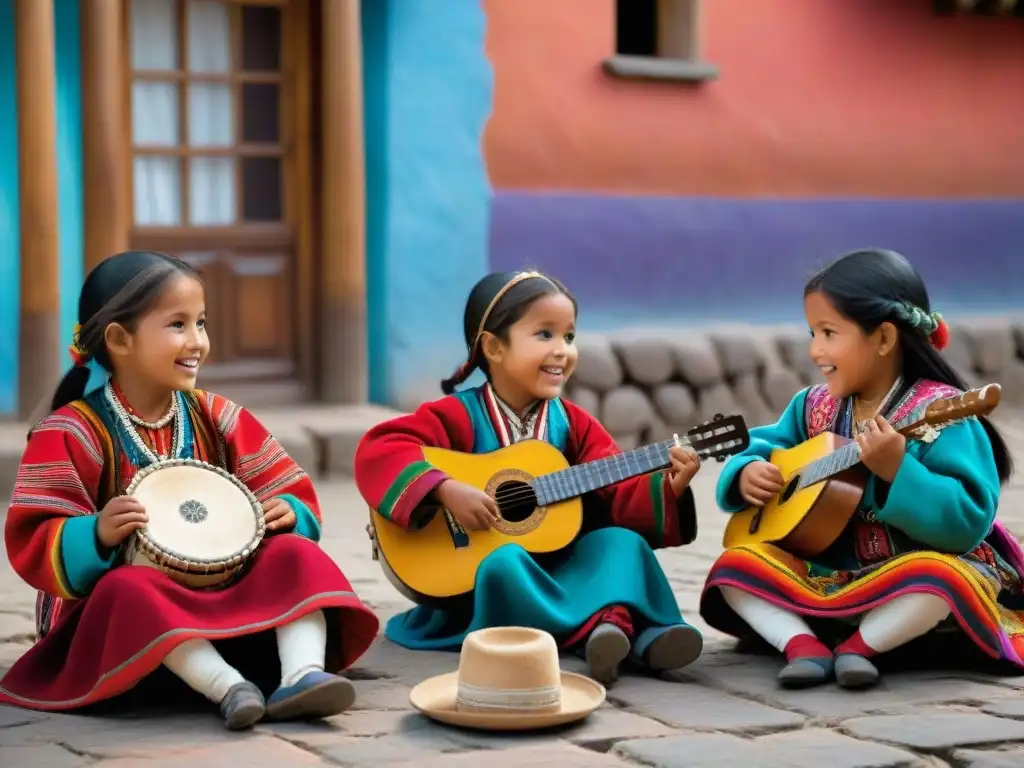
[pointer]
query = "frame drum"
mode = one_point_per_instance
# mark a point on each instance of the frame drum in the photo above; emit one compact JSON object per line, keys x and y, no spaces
{"x":204,"y":523}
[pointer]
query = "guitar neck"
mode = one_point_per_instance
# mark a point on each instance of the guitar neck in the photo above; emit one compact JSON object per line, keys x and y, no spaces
{"x":593,"y":475}
{"x":836,"y":462}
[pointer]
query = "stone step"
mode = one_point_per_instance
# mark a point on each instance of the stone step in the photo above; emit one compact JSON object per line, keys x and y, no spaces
{"x":321,"y":438}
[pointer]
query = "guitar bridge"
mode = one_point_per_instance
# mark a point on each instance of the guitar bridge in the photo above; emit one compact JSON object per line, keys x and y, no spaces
{"x":755,"y":521}
{"x":372,"y":533}
{"x":459,"y":536}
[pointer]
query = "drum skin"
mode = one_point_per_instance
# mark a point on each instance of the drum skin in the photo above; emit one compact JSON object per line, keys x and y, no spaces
{"x":204,"y":523}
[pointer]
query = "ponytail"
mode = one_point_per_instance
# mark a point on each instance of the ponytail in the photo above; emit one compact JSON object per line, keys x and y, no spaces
{"x":71,"y":387}
{"x":448,"y":385}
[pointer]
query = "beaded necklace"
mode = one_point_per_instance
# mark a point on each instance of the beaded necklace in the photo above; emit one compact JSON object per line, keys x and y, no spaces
{"x":129,"y":421}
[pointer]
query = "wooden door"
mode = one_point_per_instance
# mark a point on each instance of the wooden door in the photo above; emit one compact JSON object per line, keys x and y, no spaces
{"x":220,"y":172}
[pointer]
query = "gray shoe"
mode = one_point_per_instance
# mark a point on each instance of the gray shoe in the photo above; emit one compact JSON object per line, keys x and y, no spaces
{"x":242,"y":707}
{"x":605,"y":650}
{"x":671,"y":647}
{"x":806,"y":673}
{"x":854,"y":671}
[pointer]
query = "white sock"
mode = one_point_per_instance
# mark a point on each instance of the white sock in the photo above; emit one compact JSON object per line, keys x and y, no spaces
{"x":776,"y":625}
{"x":901,"y":620}
{"x":200,"y":665}
{"x":302,"y":646}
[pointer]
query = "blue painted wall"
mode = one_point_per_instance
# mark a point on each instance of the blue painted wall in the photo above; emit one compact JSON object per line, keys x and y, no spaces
{"x":9,"y":291}
{"x":69,"y":165}
{"x":427,"y":98}
{"x":69,"y":179}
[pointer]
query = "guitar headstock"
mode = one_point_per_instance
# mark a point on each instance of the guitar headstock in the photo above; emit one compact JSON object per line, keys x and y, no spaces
{"x":980,"y":401}
{"x":720,"y":437}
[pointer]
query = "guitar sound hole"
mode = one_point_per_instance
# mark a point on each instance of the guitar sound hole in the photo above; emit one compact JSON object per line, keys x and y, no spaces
{"x":516,"y":500}
{"x":789,"y":489}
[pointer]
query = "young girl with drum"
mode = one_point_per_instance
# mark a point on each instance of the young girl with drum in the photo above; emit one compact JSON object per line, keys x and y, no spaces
{"x":103,"y":626}
{"x":605,"y":596}
{"x":924,"y":551}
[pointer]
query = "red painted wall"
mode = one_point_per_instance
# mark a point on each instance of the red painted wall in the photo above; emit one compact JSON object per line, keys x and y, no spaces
{"x":815,"y":98}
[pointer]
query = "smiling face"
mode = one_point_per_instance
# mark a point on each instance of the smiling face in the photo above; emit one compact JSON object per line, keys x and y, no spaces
{"x":169,"y":343}
{"x":540,"y":353}
{"x":852,"y":361}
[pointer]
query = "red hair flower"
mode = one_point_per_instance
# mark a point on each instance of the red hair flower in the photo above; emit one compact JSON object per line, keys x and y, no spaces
{"x":940,"y":336}
{"x":78,"y":355}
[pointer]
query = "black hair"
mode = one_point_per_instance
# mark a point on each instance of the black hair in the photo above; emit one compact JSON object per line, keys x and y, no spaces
{"x":120,"y":290}
{"x":874,"y":286}
{"x":503,"y":315}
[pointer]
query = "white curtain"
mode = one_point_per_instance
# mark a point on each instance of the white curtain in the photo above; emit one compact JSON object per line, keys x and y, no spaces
{"x":155,"y":117}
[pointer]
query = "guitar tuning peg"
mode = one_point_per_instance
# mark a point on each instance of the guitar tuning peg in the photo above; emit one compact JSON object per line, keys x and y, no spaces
{"x":720,"y":459}
{"x":718,"y":417}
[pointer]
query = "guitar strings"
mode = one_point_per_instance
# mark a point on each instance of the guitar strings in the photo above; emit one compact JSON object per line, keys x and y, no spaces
{"x":520,"y":494}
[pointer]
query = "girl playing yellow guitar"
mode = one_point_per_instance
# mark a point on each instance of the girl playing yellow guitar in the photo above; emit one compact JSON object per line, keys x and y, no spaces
{"x":605,"y":594}
{"x":924,"y":550}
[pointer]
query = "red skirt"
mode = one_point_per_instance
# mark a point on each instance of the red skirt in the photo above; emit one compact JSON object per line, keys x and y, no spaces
{"x":105,"y":644}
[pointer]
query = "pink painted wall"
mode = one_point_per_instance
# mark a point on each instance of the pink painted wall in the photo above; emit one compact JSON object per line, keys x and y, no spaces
{"x":815,"y":98}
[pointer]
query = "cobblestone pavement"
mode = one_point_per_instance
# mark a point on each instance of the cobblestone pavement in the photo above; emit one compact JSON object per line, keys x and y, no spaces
{"x":726,"y":708}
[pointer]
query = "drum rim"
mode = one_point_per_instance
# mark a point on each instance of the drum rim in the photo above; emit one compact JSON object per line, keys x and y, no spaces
{"x":194,"y":565}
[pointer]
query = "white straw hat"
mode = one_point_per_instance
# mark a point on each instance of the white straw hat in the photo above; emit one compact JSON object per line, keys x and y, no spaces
{"x":508,"y":679}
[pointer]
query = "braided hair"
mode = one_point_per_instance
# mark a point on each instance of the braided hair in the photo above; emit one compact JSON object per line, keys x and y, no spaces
{"x":495,"y":304}
{"x":874,"y":286}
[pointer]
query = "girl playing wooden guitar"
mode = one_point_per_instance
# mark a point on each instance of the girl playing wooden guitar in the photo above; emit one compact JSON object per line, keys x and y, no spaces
{"x":924,"y":550}
{"x":606,"y":594}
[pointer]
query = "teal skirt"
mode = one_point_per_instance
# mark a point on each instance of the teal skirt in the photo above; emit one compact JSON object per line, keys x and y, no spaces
{"x":610,"y":566}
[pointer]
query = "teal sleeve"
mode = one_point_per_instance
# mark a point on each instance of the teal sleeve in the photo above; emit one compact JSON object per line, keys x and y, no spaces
{"x":945,"y":494}
{"x":80,"y":555}
{"x":790,"y":430}
{"x":306,"y":523}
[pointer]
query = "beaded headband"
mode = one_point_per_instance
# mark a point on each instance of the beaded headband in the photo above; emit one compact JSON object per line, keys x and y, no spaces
{"x":516,"y":279}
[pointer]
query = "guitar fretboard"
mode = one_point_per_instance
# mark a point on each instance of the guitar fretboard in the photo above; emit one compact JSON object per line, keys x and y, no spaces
{"x":584,"y":478}
{"x":838,"y":461}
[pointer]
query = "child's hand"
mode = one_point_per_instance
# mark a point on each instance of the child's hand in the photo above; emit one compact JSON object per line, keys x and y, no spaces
{"x":474,"y":509}
{"x":759,"y":482}
{"x":685,"y":463}
{"x":279,"y":515}
{"x":882,"y":448}
{"x":117,"y":520}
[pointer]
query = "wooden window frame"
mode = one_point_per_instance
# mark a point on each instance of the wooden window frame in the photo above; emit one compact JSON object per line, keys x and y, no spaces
{"x":296,"y":231}
{"x":678,"y":56}
{"x":255,"y":234}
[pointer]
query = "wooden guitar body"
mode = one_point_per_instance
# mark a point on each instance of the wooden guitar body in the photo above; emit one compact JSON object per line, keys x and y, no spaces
{"x":804,"y":521}
{"x":824,"y":480}
{"x":539,"y":497}
{"x":436,"y":561}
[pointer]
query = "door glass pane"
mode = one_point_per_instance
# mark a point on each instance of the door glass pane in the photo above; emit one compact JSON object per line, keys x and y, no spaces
{"x":261,"y":38}
{"x":261,"y":189}
{"x":260,"y":113}
{"x":157,"y":190}
{"x":154,"y":33}
{"x":211,"y":191}
{"x":210,"y":115}
{"x":155,"y":114}
{"x":209,"y":37}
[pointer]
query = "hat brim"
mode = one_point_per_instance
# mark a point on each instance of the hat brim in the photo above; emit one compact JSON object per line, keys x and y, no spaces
{"x":435,"y":698}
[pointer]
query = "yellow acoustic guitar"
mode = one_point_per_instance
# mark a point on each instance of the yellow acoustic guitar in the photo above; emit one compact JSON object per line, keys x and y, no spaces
{"x":824,"y":481}
{"x":538,"y":497}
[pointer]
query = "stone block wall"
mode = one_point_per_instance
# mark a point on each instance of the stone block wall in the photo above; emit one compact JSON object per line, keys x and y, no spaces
{"x":645,"y":385}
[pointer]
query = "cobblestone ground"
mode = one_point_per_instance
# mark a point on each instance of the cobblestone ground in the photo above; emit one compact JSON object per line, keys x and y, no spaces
{"x":726,"y":708}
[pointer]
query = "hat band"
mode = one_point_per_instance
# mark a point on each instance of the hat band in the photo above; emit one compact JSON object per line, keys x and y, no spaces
{"x":517,"y":699}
